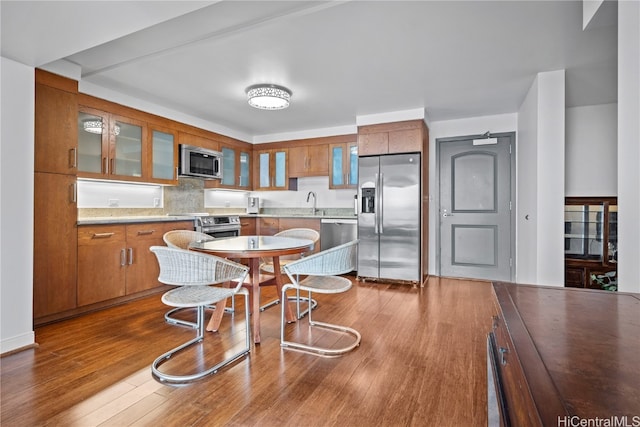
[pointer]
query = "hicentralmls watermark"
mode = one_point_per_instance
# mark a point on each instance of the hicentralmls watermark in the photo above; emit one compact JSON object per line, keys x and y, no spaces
{"x":613,"y":421}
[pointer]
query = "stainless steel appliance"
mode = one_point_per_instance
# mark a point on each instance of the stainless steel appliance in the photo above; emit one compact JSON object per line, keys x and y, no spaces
{"x":253,"y":205}
{"x":389,"y":217}
{"x":336,"y":231}
{"x":217,"y":225}
{"x":200,"y":162}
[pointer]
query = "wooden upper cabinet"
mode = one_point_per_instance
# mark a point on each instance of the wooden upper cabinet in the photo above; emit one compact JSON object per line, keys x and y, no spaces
{"x":271,"y":169}
{"x":236,"y":168}
{"x":391,"y":138}
{"x":56,"y":112}
{"x":343,"y":165}
{"x":199,"y":141}
{"x":373,"y":143}
{"x":112,"y":146}
{"x":405,"y":141}
{"x":164,"y":155}
{"x":311,"y":160}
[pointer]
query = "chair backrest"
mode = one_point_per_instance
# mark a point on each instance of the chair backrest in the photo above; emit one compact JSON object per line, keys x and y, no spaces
{"x":182,"y":238}
{"x":189,"y":268}
{"x":330,"y":262}
{"x":300,"y":233}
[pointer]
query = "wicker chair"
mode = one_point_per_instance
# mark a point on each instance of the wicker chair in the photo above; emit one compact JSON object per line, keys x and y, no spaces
{"x":193,"y":273}
{"x":266,"y":265}
{"x":321,"y":270}
{"x":181,"y":239}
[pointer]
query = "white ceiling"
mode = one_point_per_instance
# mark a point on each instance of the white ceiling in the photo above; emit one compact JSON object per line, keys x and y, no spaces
{"x":454,"y":59}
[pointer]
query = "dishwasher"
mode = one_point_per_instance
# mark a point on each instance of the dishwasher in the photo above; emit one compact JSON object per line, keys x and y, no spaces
{"x":335,"y":231}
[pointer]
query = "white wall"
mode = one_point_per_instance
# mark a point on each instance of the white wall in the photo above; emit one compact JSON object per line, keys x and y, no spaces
{"x":527,"y":188}
{"x":452,"y":128}
{"x":16,"y":205}
{"x":591,"y":151}
{"x":629,"y":146}
{"x":540,"y":188}
{"x":551,"y":163}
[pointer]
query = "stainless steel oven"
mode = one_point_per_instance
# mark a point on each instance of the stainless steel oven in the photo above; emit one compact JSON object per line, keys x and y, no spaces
{"x":218,"y":225}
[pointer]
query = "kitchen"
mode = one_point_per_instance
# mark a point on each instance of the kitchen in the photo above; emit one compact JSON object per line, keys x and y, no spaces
{"x":324,"y":197}
{"x":536,"y":122}
{"x":24,"y":50}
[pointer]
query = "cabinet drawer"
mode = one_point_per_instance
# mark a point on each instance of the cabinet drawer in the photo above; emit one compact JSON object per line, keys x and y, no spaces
{"x":149,"y":231}
{"x":100,"y":234}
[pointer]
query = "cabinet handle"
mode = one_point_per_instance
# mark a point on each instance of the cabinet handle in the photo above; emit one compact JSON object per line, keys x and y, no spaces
{"x":495,"y":322}
{"x":73,"y":158}
{"x":145,"y":232}
{"x":73,"y":193}
{"x":123,"y":258}
{"x":503,"y":351}
{"x":130,"y":256}
{"x":102,"y":235}
{"x":105,"y":166}
{"x":111,"y":167}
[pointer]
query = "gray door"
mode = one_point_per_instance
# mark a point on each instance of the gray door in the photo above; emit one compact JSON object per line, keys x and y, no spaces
{"x":476,"y":239}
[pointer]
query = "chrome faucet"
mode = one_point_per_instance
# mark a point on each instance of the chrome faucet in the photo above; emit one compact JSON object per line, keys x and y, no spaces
{"x":309,"y":194}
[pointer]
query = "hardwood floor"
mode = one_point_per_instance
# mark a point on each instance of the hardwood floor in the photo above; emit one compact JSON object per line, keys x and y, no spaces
{"x":422,"y":362}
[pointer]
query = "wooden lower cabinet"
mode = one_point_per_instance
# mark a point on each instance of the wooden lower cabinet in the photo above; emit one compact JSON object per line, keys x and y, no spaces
{"x":115,"y":261}
{"x":248,"y":226}
{"x":54,"y":244}
{"x":102,"y":263}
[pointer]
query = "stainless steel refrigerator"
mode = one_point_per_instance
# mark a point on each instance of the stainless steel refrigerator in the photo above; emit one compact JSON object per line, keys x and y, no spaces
{"x":389,"y":217}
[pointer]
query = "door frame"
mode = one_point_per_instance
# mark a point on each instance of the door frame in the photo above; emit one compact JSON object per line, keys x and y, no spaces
{"x":438,"y":206}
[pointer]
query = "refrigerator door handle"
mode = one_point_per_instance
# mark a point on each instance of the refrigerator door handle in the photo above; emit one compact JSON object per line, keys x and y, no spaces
{"x":381,"y":204}
{"x":376,"y":205}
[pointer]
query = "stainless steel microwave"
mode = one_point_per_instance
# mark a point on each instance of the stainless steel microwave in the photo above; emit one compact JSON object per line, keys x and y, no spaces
{"x":200,"y":162}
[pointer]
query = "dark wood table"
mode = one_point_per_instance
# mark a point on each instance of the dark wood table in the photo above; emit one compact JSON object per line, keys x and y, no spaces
{"x":561,"y":355}
{"x":253,"y":248}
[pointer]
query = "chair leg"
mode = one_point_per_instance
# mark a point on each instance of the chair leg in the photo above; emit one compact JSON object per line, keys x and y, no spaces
{"x":185,"y":379}
{"x":316,"y":350}
{"x":168,"y":317}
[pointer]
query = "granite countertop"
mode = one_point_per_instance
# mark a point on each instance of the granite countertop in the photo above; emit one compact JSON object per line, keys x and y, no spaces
{"x":128,"y":219}
{"x":132,"y":219}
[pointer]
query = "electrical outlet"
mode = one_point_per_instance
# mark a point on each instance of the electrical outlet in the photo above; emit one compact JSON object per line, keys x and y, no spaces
{"x":113,"y":202}
{"x":156,"y":202}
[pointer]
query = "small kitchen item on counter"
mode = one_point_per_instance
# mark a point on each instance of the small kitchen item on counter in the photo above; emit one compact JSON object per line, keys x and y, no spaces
{"x":253,"y":205}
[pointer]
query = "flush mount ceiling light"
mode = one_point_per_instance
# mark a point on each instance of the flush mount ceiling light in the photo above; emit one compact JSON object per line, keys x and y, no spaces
{"x":95,"y":126}
{"x":268,"y":96}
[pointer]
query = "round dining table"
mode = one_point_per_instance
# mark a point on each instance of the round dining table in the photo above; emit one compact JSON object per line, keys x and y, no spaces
{"x":252,"y":248}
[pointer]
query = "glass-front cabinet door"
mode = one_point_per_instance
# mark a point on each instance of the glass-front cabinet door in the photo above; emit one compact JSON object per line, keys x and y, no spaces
{"x":110,"y":146}
{"x":163,"y":155}
{"x":343,"y":165}
{"x":272,"y":170}
{"x":245,"y":170}
{"x":92,"y":141}
{"x":126,"y":147}
{"x":236,"y":170}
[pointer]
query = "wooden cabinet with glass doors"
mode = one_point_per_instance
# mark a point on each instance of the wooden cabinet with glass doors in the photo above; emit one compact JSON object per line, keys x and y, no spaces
{"x":272,"y":169}
{"x":343,"y":165}
{"x":110,"y":146}
{"x":591,"y":242}
{"x":236,"y":168}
